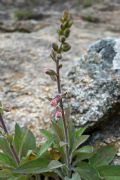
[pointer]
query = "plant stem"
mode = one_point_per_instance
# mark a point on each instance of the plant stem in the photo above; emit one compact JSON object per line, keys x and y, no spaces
{"x":65,"y":124}
{"x":12,"y":149}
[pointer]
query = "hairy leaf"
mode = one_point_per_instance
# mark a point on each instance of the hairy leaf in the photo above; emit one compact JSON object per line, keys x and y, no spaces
{"x":5,"y":173}
{"x":79,"y":132}
{"x":86,"y":149}
{"x":75,"y":176}
{"x":6,"y":161}
{"x":109,"y":170}
{"x":46,"y":133}
{"x":19,"y":178}
{"x":87,"y":172}
{"x":103,"y":156}
{"x":55,"y":164}
{"x":38,"y":166}
{"x":71,"y":131}
{"x":4,"y":145}
{"x":79,"y":141}
{"x":45,"y":146}
{"x":58,"y":130}
{"x":82,"y":156}
{"x":112,"y":178}
{"x":24,"y":140}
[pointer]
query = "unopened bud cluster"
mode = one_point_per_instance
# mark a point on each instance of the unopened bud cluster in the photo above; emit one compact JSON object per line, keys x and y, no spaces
{"x":63,"y":33}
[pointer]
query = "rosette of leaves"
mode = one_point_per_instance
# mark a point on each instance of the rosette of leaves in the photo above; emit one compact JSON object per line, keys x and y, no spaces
{"x":85,"y":162}
{"x":24,"y":142}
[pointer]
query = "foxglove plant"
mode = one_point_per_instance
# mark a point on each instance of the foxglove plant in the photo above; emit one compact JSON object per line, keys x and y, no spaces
{"x":63,"y":156}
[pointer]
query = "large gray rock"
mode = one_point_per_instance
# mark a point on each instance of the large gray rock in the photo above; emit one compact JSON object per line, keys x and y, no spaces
{"x":94,"y":84}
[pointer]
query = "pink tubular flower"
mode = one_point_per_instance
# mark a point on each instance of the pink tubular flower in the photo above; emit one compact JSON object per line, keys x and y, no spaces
{"x":54,"y":102}
{"x":58,"y":114}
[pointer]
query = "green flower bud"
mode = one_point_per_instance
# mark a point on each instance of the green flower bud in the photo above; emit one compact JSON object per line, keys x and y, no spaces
{"x":53,"y":55}
{"x":66,"y":15}
{"x":62,"y":39}
{"x":69,"y":24}
{"x":66,"y":47}
{"x":60,"y":32}
{"x":67,"y":33}
{"x":62,"y":20}
{"x":58,"y":56}
{"x":60,"y":66}
{"x":55,"y":47}
{"x":64,"y":25}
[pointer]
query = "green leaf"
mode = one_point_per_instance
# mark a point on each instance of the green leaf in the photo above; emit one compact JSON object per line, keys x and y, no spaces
{"x":83,"y":153}
{"x":87,"y":172}
{"x":55,"y":47}
{"x":46,"y":133}
{"x":5,"y":173}
{"x":58,"y":130}
{"x":24,"y":140}
{"x":55,"y":165}
{"x":19,"y":178}
{"x":33,"y":167}
{"x":112,"y":178}
{"x":86,"y":149}
{"x":38,"y":166}
{"x":79,"y":132}
{"x":66,"y":47}
{"x":6,"y":161}
{"x":45,"y":146}
{"x":79,"y":141}
{"x":75,"y":176}
{"x":4,"y":145}
{"x":82,"y":156}
{"x":71,"y":131}
{"x":110,"y":170}
{"x":103,"y":156}
{"x":62,"y":144}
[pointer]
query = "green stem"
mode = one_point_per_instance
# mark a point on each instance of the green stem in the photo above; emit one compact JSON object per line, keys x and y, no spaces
{"x":64,"y":119}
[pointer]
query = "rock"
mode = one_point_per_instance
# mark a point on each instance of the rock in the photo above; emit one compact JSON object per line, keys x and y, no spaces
{"x":94,"y":84}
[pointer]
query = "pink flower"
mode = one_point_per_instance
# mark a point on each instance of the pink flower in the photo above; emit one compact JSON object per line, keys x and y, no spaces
{"x":54,"y":102}
{"x":58,"y":114}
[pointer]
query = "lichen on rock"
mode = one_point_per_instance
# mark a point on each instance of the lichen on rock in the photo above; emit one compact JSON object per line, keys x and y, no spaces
{"x":94,"y":84}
